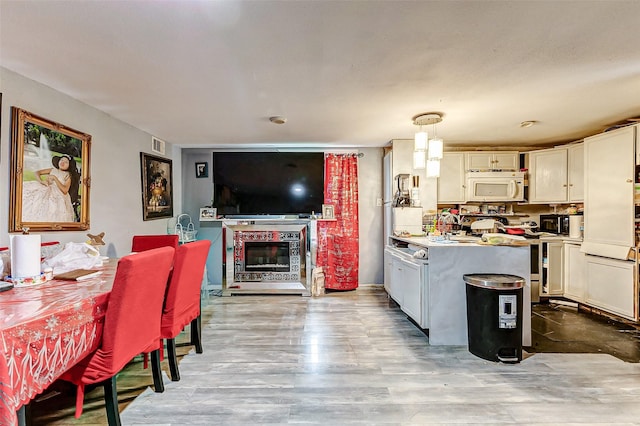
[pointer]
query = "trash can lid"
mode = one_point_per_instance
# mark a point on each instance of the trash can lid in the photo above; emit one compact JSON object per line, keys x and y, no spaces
{"x":496,"y":281}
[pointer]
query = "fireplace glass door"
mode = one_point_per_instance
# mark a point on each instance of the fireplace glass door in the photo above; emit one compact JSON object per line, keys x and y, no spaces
{"x":269,"y":256}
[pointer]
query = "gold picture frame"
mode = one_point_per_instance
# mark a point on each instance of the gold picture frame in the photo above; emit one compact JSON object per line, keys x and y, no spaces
{"x":50,"y":177}
{"x":157,"y":187}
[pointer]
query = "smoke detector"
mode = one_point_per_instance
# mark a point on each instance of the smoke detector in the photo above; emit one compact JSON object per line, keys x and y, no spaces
{"x":528,"y":123}
{"x":278,"y":119}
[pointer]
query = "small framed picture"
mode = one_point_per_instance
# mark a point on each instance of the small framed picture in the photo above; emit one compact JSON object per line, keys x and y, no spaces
{"x":327,"y":211}
{"x":208,"y":214}
{"x":202,"y":170}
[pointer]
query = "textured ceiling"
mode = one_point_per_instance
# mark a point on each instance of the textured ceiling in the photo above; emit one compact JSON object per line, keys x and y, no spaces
{"x":343,"y":73}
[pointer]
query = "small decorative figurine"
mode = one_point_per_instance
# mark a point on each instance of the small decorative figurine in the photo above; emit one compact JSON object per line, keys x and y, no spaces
{"x":96,"y":240}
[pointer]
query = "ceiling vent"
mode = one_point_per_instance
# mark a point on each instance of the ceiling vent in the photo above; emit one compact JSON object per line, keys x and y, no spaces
{"x":157,"y":145}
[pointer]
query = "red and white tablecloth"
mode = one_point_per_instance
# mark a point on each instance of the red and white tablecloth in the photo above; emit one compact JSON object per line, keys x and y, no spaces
{"x":44,"y":330}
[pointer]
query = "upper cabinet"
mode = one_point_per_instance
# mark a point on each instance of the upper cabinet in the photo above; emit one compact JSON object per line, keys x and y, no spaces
{"x":556,"y":175}
{"x":575,"y":172}
{"x":402,"y":159}
{"x":493,"y":160}
{"x":451,"y":183}
{"x":609,"y":192}
{"x":548,"y":176}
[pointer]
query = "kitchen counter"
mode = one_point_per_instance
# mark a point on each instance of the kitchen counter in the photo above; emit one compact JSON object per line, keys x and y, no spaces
{"x":562,"y":238}
{"x":445,"y":295}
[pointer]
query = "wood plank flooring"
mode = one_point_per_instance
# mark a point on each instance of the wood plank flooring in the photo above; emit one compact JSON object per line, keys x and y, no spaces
{"x":354,"y":358}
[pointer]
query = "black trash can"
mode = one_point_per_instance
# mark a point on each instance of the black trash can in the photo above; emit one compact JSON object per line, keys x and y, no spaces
{"x":494,"y":316}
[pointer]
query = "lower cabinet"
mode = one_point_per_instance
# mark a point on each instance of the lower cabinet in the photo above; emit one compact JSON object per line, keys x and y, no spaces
{"x":412,"y":286}
{"x":611,"y":285}
{"x":406,"y":282}
{"x":552,"y":270}
{"x":600,"y":282}
{"x":575,"y":266}
{"x":388,"y":268}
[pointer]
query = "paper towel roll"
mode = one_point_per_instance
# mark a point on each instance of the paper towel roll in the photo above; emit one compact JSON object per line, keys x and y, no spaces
{"x":25,"y":256}
{"x":575,"y":223}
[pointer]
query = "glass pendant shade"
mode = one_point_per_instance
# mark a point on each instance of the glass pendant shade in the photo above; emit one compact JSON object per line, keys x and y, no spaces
{"x":420,"y":141}
{"x":433,"y":168}
{"x":436,"y":147}
{"x":419,"y":160}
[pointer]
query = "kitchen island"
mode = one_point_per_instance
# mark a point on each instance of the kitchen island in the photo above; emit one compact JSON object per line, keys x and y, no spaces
{"x":431,"y":290}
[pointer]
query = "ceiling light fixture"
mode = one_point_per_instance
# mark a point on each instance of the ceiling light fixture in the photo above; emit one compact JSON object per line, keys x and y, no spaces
{"x":427,"y":152}
{"x":278,"y":119}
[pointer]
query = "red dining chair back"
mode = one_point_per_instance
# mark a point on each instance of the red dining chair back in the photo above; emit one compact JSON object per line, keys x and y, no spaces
{"x":182,"y":302}
{"x":148,"y":242}
{"x":131,"y":325}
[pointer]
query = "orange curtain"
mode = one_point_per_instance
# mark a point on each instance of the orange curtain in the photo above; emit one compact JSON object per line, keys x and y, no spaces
{"x":338,"y":251}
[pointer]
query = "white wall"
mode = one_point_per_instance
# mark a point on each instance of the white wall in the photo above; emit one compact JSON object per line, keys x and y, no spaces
{"x":371,"y":216}
{"x":198,"y":192}
{"x":115,"y":195}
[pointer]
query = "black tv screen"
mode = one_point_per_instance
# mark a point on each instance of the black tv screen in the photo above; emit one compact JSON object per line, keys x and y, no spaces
{"x":256,"y":183}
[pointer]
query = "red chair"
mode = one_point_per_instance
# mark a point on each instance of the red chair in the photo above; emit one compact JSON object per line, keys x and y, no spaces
{"x":148,"y":242}
{"x":131,"y":326}
{"x":182,"y":302}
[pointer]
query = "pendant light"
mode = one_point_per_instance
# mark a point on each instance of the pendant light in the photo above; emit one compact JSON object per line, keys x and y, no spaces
{"x":427,"y":152}
{"x":433,"y":168}
{"x":419,"y":159}
{"x":420,"y":140}
{"x":436,"y":145}
{"x":420,"y":149}
{"x":436,"y":148}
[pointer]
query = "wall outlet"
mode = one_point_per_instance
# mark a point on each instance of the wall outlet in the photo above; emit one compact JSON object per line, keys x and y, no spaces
{"x":378,"y":202}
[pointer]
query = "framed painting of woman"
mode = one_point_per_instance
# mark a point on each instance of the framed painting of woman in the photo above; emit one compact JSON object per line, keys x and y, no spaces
{"x":157,"y":187}
{"x":49,"y":177}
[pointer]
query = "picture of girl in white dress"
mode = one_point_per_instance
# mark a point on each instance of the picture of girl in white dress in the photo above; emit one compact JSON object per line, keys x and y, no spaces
{"x":50,"y":197}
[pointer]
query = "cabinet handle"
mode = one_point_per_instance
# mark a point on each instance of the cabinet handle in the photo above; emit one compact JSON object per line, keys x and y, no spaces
{"x":629,"y":180}
{"x":565,"y":185}
{"x":570,"y":184}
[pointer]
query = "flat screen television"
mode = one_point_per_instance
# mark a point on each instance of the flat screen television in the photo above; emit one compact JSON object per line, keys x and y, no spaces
{"x":261,"y":183}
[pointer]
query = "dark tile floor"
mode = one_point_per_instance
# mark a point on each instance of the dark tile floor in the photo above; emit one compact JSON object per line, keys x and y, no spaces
{"x":558,"y":328}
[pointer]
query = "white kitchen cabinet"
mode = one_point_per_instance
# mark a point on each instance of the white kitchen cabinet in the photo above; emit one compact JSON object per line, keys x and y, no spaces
{"x":388,"y":268}
{"x":397,"y":276}
{"x":575,"y":172}
{"x":609,"y":208}
{"x":407,"y":283}
{"x":451,"y":183}
{"x":556,"y":175}
{"x":493,"y":160}
{"x":552,"y":270}
{"x":575,"y":266}
{"x":411,"y":289}
{"x":548,"y":176}
{"x":402,"y":160}
{"x":611,"y":285}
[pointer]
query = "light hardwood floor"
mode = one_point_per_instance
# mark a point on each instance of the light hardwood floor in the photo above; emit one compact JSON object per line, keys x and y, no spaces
{"x":354,"y":358}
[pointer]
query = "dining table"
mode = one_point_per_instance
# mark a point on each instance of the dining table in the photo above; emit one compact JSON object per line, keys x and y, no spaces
{"x":45,"y":329}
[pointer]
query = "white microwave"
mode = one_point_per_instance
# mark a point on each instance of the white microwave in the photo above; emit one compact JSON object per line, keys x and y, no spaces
{"x":495,"y":186}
